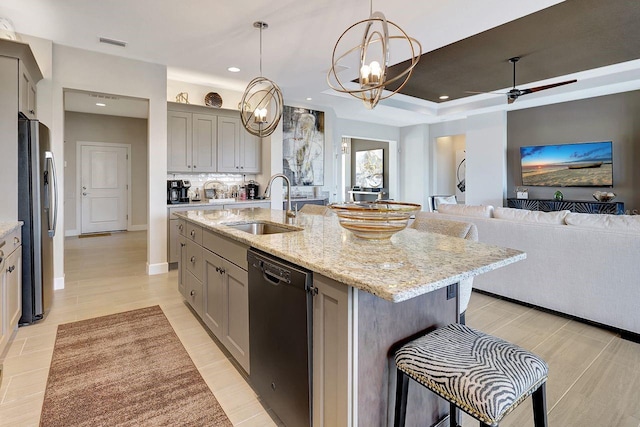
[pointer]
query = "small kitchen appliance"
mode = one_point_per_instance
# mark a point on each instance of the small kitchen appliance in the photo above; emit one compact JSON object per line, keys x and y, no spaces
{"x":252,"y":189}
{"x":177,"y":191}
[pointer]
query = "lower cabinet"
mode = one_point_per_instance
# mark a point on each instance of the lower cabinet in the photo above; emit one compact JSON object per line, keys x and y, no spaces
{"x":332,"y":334}
{"x":215,"y":284}
{"x":10,"y":287}
{"x":226,"y":305}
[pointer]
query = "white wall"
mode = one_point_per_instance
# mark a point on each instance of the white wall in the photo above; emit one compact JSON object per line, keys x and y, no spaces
{"x":90,"y":71}
{"x":230,"y":98}
{"x":415,"y":164}
{"x":486,"y":144}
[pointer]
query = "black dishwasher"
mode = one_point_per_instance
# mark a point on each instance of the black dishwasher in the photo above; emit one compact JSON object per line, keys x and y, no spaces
{"x":280,"y":336}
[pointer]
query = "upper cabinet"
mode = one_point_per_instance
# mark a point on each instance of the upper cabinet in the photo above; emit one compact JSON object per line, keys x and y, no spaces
{"x":26,"y":92}
{"x":238,"y":150}
{"x":28,"y":76}
{"x":201,"y":139}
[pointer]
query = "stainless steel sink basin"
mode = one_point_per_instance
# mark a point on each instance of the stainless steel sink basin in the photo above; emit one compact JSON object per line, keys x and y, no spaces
{"x":260,"y":228}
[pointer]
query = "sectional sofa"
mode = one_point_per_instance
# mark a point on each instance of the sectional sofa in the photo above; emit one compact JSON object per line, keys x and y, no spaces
{"x":583,"y":265}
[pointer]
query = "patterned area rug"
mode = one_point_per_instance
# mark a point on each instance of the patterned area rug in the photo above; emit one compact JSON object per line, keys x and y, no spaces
{"x":126,"y":369}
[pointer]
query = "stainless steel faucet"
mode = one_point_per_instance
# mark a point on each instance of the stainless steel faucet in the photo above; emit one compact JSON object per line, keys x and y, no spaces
{"x":267,"y":193}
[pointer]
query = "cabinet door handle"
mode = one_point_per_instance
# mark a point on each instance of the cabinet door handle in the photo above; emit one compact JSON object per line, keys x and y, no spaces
{"x":10,"y":269}
{"x":193,"y":260}
{"x":180,"y":227}
{"x":16,"y":240}
{"x":193,"y":233}
{"x":189,"y":166}
{"x":192,"y":293}
{"x":182,"y":245}
{"x":194,"y":166}
{"x":222,"y":271}
{"x":32,"y":112}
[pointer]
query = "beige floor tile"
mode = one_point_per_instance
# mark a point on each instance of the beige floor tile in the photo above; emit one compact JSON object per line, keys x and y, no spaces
{"x":205,"y":354}
{"x":21,"y":364}
{"x":22,"y":413}
{"x":25,"y":385}
{"x":260,"y":420}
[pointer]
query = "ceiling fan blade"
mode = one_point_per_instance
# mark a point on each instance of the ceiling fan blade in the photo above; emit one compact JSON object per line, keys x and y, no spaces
{"x":539,"y":88}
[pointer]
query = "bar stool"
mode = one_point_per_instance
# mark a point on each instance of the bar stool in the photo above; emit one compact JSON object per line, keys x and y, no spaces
{"x":482,"y":375}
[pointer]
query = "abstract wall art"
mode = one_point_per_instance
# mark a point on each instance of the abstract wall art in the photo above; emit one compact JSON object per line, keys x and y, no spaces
{"x":303,"y":146}
{"x":370,"y":168}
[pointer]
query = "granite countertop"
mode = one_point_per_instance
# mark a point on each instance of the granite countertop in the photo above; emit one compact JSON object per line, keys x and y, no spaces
{"x":7,"y":227}
{"x":409,"y":264}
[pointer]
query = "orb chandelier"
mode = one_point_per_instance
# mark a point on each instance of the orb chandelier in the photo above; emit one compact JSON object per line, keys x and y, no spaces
{"x":261,"y":104}
{"x":373,"y":51}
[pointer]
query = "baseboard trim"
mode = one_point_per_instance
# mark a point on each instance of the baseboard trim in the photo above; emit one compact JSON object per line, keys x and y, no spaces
{"x":58,"y":283}
{"x":627,"y":335}
{"x":159,"y":268}
{"x":142,"y":227}
{"x":71,"y":233}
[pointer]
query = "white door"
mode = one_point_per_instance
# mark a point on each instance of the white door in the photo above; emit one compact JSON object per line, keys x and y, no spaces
{"x":104,"y":182}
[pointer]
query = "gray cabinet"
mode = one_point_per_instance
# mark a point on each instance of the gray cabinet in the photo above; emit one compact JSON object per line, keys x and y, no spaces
{"x":191,"y":142}
{"x":27,"y":92}
{"x":179,"y":141}
{"x":10,"y":286}
{"x":202,"y":139}
{"x":19,"y":74}
{"x":214,"y":269}
{"x":331,"y":335}
{"x":213,"y":313}
{"x":238,"y":150}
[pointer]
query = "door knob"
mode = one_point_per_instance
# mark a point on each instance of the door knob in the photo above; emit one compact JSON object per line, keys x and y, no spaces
{"x":192,"y":293}
{"x":193,"y":259}
{"x":84,"y":194}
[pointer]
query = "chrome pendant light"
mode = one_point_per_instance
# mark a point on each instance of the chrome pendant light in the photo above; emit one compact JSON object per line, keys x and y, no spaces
{"x":373,"y":52}
{"x":261,"y":104}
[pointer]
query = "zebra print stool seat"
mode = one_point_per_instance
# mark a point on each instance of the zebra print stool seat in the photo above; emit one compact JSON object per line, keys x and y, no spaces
{"x":484,"y":376}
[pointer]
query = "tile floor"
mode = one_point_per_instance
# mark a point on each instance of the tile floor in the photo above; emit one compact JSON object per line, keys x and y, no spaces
{"x":594,"y":374}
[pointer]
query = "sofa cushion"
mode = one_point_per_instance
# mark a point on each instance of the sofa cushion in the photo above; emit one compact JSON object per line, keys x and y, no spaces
{"x":530,"y":216}
{"x":464,"y":210}
{"x":604,"y":221}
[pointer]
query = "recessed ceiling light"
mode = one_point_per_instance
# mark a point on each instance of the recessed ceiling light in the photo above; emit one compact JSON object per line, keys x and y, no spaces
{"x":309,"y":99}
{"x":101,"y":104}
{"x":444,"y":97}
{"x":233,"y":69}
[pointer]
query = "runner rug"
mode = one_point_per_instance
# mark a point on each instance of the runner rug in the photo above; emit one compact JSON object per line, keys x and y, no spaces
{"x":126,"y":369}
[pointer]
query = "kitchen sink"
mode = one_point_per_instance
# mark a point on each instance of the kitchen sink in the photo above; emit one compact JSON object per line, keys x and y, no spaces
{"x":260,"y":228}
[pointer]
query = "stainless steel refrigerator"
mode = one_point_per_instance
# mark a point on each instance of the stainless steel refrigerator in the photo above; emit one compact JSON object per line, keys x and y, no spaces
{"x":37,"y":208}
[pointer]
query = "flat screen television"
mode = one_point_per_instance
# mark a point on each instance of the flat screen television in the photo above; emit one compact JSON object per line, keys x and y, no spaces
{"x":585,"y":164}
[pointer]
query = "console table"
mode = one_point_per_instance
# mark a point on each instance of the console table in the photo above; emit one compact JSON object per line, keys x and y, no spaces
{"x":580,"y":206}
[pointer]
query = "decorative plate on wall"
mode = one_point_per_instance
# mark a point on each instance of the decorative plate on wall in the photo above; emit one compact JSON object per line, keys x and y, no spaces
{"x":213,"y":99}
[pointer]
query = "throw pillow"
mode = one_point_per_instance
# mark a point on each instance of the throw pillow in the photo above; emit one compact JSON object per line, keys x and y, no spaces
{"x":464,"y":210}
{"x":530,"y":216}
{"x":604,"y":221}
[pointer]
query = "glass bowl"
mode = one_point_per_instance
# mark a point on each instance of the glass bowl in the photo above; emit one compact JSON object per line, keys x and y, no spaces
{"x":604,"y":196}
{"x":374,"y":220}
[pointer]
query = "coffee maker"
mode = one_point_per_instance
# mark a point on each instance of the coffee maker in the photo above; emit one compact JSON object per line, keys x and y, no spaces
{"x":177,"y":191}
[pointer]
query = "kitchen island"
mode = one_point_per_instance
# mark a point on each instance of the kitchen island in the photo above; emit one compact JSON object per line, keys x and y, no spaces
{"x":371,"y":296}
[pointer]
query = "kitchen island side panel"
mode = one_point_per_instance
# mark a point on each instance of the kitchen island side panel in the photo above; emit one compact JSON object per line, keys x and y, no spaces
{"x":382,"y":327}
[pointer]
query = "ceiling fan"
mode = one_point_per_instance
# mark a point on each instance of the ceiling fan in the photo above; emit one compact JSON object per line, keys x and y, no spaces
{"x":515,"y":93}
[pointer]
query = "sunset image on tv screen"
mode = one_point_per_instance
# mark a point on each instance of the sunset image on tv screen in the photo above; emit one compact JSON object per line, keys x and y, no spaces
{"x":588,"y":164}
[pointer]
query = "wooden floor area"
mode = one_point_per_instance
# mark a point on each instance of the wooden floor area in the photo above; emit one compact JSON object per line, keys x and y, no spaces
{"x":594,"y":375}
